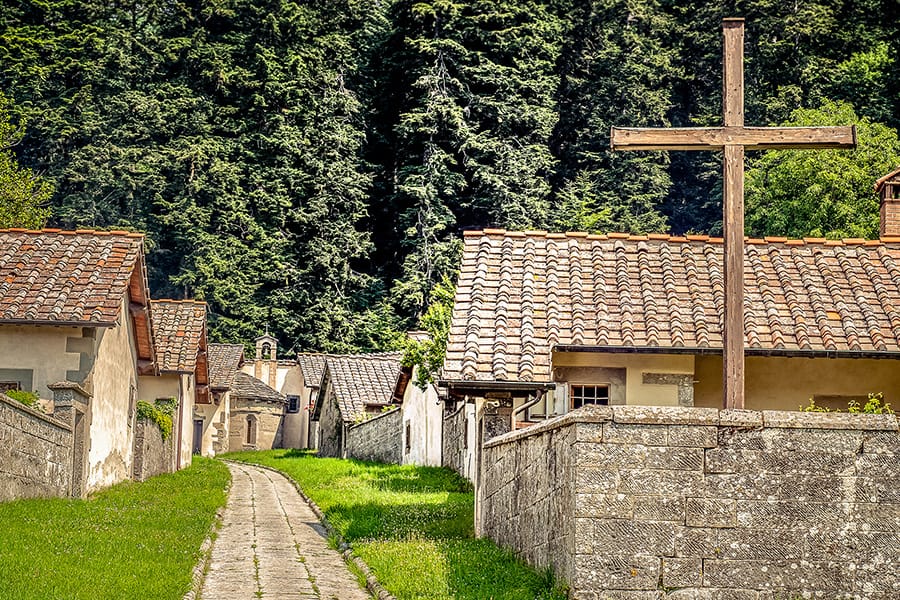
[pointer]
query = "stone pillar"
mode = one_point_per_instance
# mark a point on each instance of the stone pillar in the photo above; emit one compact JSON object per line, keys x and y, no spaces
{"x":71,"y":405}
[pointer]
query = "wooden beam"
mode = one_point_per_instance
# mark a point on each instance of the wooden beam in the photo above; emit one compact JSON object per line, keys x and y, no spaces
{"x":733,"y":73}
{"x":733,"y":330}
{"x":716,"y":138}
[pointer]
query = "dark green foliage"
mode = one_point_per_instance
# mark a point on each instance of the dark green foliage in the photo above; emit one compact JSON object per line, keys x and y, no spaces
{"x":310,"y":166}
{"x":23,"y":195}
{"x":29,"y":399}
{"x":428,"y":354}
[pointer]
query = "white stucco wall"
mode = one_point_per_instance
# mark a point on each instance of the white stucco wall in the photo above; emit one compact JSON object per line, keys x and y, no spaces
{"x":41,"y":350}
{"x":423,"y":414}
{"x":111,"y":382}
{"x":211,"y":414}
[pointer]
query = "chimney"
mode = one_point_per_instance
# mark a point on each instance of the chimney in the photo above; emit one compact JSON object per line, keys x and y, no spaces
{"x":888,"y":190}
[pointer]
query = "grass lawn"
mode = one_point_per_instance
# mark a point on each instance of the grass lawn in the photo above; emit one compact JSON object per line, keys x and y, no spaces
{"x":134,"y":540}
{"x":412,"y":525}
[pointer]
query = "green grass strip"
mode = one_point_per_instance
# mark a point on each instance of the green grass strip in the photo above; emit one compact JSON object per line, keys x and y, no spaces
{"x":412,"y":525}
{"x":133,"y":540}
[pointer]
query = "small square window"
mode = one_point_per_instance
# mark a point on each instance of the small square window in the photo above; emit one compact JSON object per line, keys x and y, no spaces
{"x":293,"y":404}
{"x":589,"y":394}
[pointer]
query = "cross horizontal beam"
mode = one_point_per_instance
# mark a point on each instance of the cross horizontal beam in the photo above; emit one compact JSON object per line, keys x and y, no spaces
{"x":716,"y":138}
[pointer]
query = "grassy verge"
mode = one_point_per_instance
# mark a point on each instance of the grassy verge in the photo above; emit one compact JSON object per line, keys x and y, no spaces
{"x":412,"y":525}
{"x":134,"y":540}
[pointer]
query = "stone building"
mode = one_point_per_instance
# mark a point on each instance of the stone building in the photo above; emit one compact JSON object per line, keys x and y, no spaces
{"x":179,"y":328}
{"x":256,"y":415}
{"x":354,"y":387}
{"x":75,"y":329}
{"x":544,"y":323}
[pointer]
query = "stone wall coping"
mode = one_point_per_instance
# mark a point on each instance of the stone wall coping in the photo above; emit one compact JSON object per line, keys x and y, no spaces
{"x":713,"y":417}
{"x":16,"y":405}
{"x":69,"y":385}
{"x":375,"y":418}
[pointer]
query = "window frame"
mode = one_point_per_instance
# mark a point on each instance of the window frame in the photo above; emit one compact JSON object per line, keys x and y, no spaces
{"x":296,"y":399}
{"x":582,"y":397}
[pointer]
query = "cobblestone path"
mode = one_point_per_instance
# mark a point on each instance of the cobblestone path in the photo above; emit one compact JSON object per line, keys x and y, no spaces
{"x":271,"y":545}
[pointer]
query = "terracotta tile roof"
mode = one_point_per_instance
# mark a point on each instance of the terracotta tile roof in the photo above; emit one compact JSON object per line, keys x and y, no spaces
{"x":311,"y":366}
{"x":522,"y":294}
{"x":178,"y":328}
{"x":66,"y":277}
{"x":362,"y":379}
{"x":224,"y":362}
{"x":249,"y":387}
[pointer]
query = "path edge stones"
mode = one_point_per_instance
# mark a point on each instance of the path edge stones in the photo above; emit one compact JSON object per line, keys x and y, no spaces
{"x":198,"y":575}
{"x":346,"y":551}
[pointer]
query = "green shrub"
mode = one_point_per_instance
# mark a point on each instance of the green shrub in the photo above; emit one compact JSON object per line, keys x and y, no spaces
{"x":160,"y":413}
{"x":875,"y":405}
{"x":29,"y":399}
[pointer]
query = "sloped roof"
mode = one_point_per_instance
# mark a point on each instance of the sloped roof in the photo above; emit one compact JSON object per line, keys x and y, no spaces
{"x":66,"y":277}
{"x":311,"y":366}
{"x":178,"y":328}
{"x":224,"y":362}
{"x":250,"y":388}
{"x":362,"y":379}
{"x":522,"y":294}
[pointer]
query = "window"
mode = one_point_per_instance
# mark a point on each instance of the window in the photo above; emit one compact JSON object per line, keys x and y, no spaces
{"x":251,"y":430}
{"x":589,"y":394}
{"x":7,"y":386}
{"x":267,"y":351}
{"x":293,"y":404}
{"x":408,"y":445}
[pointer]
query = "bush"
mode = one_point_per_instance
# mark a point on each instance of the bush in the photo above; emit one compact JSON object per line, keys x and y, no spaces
{"x":29,"y":399}
{"x":875,"y":405}
{"x":160,"y":413}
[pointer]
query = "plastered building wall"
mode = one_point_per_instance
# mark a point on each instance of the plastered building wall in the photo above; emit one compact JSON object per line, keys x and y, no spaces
{"x":777,"y":383}
{"x":37,"y":355}
{"x":215,"y":439}
{"x":421,"y":425}
{"x":113,"y":384}
{"x":646,"y":503}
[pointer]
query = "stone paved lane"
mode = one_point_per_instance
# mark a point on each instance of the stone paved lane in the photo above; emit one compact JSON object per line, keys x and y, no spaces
{"x":271,"y":545}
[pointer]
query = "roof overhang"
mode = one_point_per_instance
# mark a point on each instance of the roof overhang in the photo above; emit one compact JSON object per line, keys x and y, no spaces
{"x":47,"y":323}
{"x":465,"y":387}
{"x":705,"y":351}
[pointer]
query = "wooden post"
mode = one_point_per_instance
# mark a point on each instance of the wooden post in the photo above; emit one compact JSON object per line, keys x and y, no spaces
{"x":733,"y":217}
{"x":733,"y":138}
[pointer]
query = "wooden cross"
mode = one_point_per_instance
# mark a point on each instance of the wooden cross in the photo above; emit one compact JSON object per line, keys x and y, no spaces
{"x":733,"y":138}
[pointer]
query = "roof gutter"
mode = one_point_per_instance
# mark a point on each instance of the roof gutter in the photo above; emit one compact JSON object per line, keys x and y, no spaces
{"x":705,"y":351}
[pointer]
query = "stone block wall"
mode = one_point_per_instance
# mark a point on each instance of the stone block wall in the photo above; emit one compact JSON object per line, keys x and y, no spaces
{"x":152,"y":454}
{"x":453,"y":439}
{"x":670,"y":503}
{"x":35,"y":453}
{"x":379,"y":439}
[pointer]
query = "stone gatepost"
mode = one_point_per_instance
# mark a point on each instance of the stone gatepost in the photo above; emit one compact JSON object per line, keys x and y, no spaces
{"x":71,"y":405}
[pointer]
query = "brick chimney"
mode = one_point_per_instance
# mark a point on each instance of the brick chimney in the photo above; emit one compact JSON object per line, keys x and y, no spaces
{"x":888,"y":190}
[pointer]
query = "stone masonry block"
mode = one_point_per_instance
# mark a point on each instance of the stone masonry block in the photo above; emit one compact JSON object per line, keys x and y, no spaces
{"x":696,"y":436}
{"x":607,"y":572}
{"x":648,"y":435}
{"x":682,"y":572}
{"x":589,"y":432}
{"x":787,"y":514}
{"x":659,"y":508}
{"x":775,"y":575}
{"x":629,"y":595}
{"x":710,"y":512}
{"x":878,"y":547}
{"x":622,"y":538}
{"x":613,"y":506}
{"x":712,"y":594}
{"x":887,"y":442}
{"x":878,"y":465}
{"x":833,"y":420}
{"x":760,"y":544}
{"x":598,"y":480}
{"x":664,"y":483}
{"x":638,"y":456}
{"x":777,"y":487}
{"x":731,"y":460}
{"x":875,"y":489}
{"x":696,"y":542}
{"x":877,"y":517}
{"x":792,"y":440}
{"x":665,"y":415}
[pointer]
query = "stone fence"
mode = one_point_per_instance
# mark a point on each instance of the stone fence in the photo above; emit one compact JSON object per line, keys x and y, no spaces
{"x":152,"y":454}
{"x":35,"y":453}
{"x":666,"y":503}
{"x":377,"y":439}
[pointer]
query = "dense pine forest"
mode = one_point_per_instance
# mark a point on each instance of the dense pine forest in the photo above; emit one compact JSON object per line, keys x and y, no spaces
{"x":311,"y":165}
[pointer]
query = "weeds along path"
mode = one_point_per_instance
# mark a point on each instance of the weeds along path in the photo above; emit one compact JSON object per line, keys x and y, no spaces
{"x":272,"y":546}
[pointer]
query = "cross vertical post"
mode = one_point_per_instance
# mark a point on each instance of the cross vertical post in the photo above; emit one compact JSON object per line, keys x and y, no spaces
{"x":733,"y":138}
{"x":733,"y":217}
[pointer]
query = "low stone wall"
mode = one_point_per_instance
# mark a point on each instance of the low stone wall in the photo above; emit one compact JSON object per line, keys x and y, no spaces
{"x":377,"y":439}
{"x":152,"y":454}
{"x":35,"y":453}
{"x":653,"y":503}
{"x":453,"y":440}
